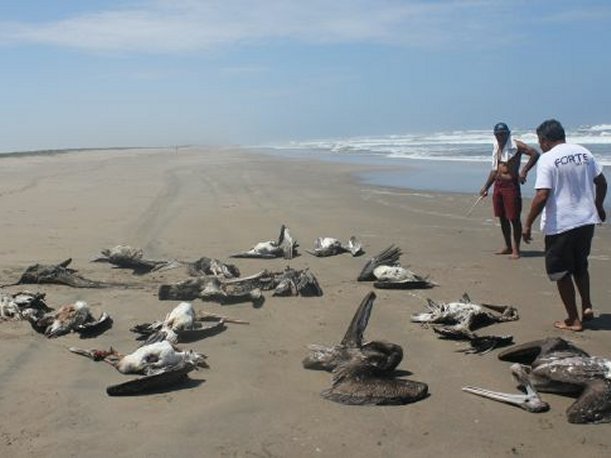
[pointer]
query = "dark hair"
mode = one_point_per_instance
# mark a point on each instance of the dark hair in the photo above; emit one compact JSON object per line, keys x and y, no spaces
{"x":551,"y":130}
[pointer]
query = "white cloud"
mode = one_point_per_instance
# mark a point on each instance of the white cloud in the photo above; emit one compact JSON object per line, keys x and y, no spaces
{"x":179,"y":26}
{"x":188,"y":26}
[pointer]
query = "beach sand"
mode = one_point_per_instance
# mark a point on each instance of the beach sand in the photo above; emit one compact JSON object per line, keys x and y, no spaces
{"x":256,"y":400}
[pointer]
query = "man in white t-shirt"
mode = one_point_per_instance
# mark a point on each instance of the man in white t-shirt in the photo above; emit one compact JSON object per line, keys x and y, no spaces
{"x":571,"y":190}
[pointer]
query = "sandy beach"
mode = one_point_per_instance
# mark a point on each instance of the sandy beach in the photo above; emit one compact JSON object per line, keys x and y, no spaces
{"x":256,"y":400}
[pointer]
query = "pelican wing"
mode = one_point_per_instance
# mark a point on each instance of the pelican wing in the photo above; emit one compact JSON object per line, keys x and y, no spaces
{"x":94,"y":328}
{"x":307,"y":284}
{"x":151,"y":383}
{"x":354,"y":334}
{"x":387,"y":257}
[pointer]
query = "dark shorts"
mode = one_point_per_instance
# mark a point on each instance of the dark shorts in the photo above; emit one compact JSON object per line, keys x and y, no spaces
{"x":567,"y":252}
{"x":507,"y":199}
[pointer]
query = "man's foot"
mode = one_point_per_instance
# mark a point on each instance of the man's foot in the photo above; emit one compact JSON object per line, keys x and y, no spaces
{"x":504,"y":251}
{"x":515,"y":255}
{"x":568,"y":325}
{"x":587,"y":314}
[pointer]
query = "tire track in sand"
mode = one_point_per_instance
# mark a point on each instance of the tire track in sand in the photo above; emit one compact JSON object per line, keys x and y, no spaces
{"x":152,"y":222}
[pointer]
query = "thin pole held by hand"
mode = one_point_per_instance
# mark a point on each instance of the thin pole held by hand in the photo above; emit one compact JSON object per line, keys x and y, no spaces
{"x":479,"y":199}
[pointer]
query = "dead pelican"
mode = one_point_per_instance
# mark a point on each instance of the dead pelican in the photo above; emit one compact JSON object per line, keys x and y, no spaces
{"x":386,"y":272}
{"x":161,"y":363}
{"x":59,"y":274}
{"x":75,"y":317}
{"x":358,"y":382}
{"x":458,"y":320}
{"x":182,"y":325}
{"x":289,"y":282}
{"x":132,"y":258}
{"x":293,"y":282}
{"x":285,"y":247}
{"x":555,"y":365}
{"x":211,"y":288}
{"x":363,"y":371}
{"x":328,"y":246}
{"x":397,"y":277}
{"x":326,"y":358}
{"x":23,"y":305}
{"x":387,"y":257}
{"x":208,"y":266}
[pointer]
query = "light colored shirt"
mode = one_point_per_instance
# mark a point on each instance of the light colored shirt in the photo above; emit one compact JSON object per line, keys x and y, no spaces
{"x":509,"y":150}
{"x":568,"y":171}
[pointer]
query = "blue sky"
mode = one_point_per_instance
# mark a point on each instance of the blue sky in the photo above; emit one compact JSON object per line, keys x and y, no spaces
{"x":99,"y":73}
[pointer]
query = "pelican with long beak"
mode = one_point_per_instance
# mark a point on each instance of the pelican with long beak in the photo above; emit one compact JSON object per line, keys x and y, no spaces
{"x":555,"y":365}
{"x":161,"y":363}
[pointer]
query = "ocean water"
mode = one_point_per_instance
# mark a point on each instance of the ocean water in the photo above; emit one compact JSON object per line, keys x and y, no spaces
{"x":457,"y":161}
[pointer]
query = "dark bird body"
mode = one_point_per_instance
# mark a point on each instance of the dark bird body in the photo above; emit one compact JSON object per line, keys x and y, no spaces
{"x":125,"y":256}
{"x":363,"y":372}
{"x":60,"y":274}
{"x":356,"y":384}
{"x":290,"y":282}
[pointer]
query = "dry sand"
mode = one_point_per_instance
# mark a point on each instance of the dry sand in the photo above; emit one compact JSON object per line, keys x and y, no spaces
{"x":257,"y":400}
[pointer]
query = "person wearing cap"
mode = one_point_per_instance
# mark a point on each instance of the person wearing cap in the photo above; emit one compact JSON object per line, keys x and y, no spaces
{"x":570,"y":192}
{"x":507,"y":178}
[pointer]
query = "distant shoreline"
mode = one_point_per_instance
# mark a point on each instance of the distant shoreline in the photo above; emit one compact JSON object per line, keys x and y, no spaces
{"x":55,"y":152}
{"x":455,"y":177}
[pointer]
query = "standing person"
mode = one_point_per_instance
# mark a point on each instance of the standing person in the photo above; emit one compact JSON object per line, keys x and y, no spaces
{"x":571,"y":190}
{"x":507,"y":178}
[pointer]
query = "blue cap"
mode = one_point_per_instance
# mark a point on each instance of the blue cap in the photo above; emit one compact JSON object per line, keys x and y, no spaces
{"x":501,"y":128}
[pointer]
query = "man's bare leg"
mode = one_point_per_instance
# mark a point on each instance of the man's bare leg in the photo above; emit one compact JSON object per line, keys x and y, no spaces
{"x":583,"y":286}
{"x":506,"y":229}
{"x":517,"y":237}
{"x":567,"y":294}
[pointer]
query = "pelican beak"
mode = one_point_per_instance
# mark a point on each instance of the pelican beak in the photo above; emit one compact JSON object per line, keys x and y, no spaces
{"x":529,"y":401}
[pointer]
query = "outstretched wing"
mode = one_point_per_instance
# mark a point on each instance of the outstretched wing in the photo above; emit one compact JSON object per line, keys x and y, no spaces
{"x":354,"y":334}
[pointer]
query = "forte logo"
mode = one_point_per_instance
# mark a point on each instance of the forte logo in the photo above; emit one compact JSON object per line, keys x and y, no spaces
{"x":577,"y":159}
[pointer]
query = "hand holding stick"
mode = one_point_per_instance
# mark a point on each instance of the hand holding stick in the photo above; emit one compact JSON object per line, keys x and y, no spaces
{"x":479,"y":199}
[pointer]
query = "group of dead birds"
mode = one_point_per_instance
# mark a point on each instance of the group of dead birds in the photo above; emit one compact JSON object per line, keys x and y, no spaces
{"x":363,"y":372}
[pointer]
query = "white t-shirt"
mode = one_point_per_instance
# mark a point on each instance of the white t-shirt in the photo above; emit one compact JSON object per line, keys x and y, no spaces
{"x":568,"y":171}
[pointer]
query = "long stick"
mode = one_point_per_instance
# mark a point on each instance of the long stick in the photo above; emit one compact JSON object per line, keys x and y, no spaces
{"x":479,"y":199}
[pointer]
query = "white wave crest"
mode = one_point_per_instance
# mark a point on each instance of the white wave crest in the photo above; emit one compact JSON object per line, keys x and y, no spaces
{"x":458,"y":145}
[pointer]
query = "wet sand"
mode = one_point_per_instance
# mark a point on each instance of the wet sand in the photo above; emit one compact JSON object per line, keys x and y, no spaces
{"x":256,"y":399}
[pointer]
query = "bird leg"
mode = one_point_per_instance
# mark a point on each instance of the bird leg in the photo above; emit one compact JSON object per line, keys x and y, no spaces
{"x":508,"y":313}
{"x":207,"y":316}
